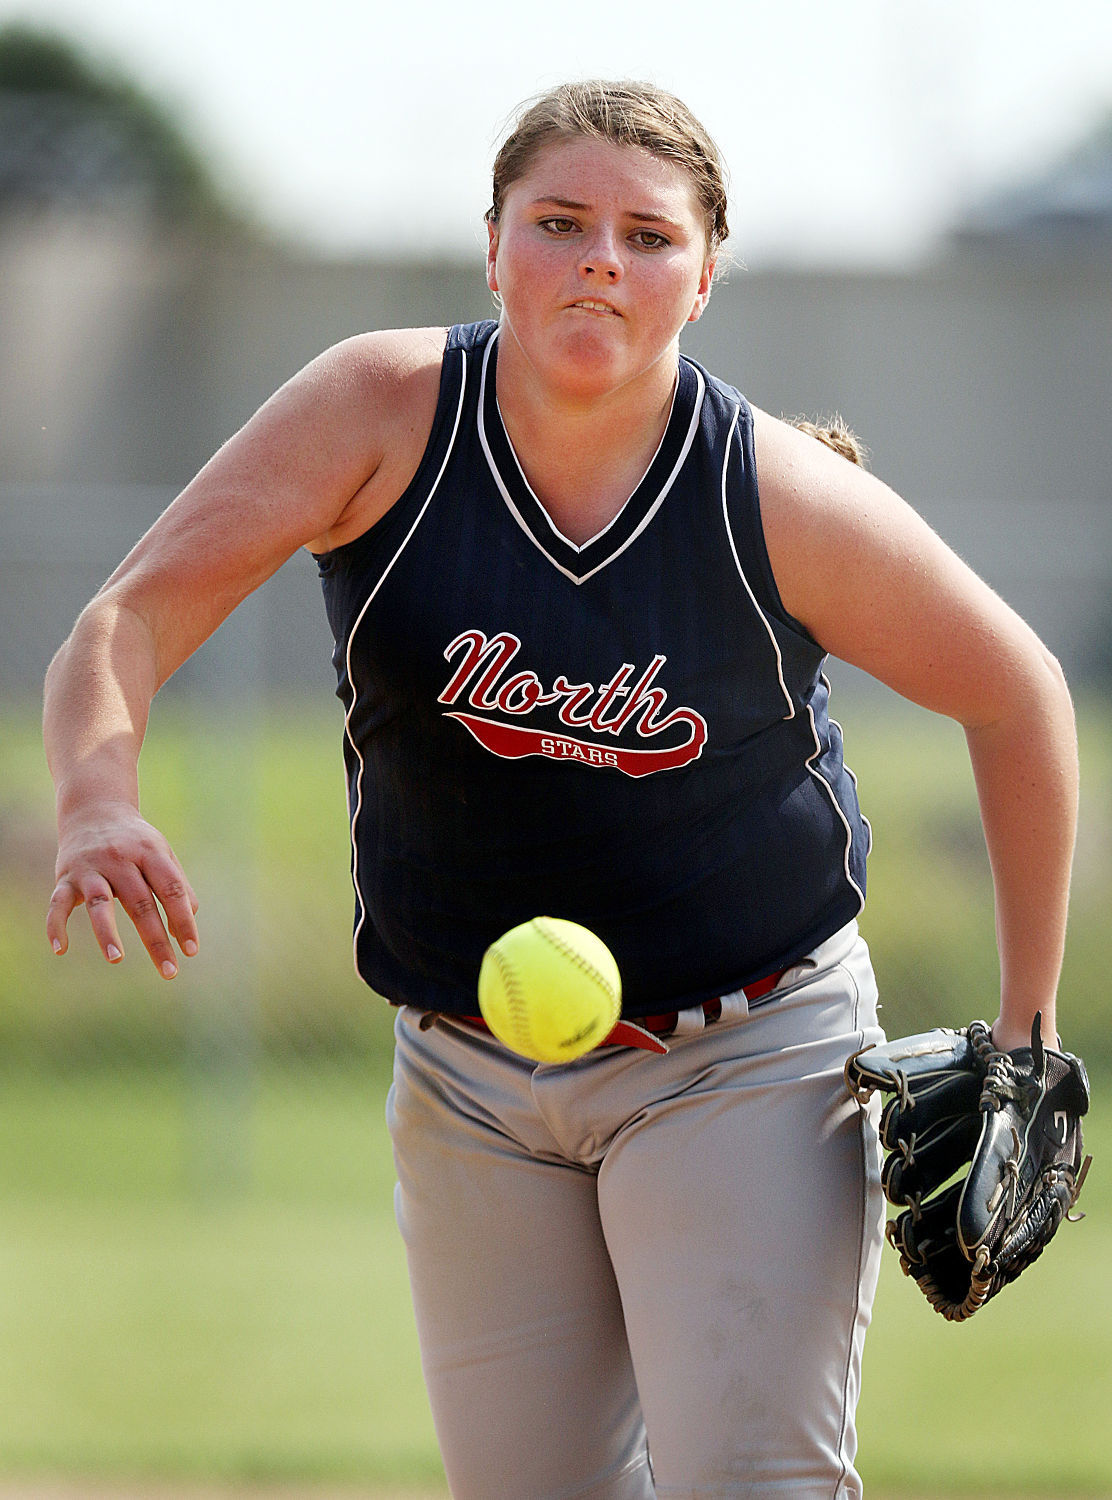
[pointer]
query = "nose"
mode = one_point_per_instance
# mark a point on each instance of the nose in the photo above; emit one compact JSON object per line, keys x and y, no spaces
{"x":600,"y":258}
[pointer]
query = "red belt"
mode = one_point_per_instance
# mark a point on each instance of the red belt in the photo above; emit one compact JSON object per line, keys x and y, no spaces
{"x":646,"y":1031}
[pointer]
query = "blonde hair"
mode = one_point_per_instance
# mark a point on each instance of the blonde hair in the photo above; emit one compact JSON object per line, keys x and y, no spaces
{"x":625,"y":114}
{"x":836,"y":434}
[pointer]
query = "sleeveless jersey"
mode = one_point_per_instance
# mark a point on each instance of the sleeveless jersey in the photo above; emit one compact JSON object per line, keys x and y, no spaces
{"x":631,"y":733}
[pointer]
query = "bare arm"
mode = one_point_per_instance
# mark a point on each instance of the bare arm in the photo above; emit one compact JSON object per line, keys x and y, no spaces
{"x":877,"y":588}
{"x":316,"y":466}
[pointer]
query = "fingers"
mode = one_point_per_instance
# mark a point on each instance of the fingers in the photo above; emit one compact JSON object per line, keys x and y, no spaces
{"x":141,"y":896}
{"x":62,"y":903}
{"x":95,"y":894}
{"x":163,"y":884}
{"x":156,"y":897}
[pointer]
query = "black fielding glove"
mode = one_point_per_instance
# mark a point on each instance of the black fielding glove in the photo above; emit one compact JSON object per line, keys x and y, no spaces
{"x":1008,"y":1122}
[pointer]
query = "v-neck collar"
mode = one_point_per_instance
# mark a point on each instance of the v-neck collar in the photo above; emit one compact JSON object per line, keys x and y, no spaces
{"x":579,"y":562}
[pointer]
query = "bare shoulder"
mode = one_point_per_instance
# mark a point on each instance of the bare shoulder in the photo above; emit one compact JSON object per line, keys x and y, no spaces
{"x":316,"y":465}
{"x":385,"y":364}
{"x":822,"y":516}
{"x":798,"y":472}
{"x":375,"y":397}
{"x":330,"y":451}
{"x":873,"y":583}
{"x":372,"y":375}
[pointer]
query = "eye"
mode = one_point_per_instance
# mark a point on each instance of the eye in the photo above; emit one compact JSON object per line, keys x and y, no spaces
{"x":650,"y":239}
{"x":558,"y":226}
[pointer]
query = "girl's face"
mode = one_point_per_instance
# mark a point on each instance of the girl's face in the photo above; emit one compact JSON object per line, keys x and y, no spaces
{"x":600,"y":258}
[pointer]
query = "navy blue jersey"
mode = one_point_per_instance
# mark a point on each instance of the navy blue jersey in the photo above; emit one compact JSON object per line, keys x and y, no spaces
{"x":631,"y":733}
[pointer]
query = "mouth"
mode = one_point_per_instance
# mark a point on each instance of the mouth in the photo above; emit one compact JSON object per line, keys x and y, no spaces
{"x":593,"y":305}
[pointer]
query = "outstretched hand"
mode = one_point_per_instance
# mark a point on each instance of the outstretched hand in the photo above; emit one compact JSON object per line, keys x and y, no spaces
{"x":114,"y":855}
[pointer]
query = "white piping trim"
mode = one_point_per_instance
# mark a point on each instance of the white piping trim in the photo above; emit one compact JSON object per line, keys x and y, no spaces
{"x":567,"y":541}
{"x":853,"y":777}
{"x":741,"y":571}
{"x":689,"y":439}
{"x":812,"y":758}
{"x":354,"y":813}
{"x":835,"y":804}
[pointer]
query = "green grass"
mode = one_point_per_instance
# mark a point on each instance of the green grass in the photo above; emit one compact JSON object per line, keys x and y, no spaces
{"x":1017,"y":1399}
{"x":199,"y":1270}
{"x":165,"y":1316}
{"x":158,"y":1318}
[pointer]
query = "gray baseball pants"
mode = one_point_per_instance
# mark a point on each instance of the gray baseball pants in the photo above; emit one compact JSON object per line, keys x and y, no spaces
{"x":638,"y":1276}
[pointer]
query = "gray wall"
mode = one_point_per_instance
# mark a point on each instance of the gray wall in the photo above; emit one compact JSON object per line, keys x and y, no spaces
{"x":980,"y":386}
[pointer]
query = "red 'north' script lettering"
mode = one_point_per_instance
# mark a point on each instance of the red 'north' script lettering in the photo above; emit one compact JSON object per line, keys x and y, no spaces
{"x":624,"y":702}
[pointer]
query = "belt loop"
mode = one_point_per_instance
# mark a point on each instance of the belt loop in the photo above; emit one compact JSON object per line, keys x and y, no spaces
{"x":695,"y":1018}
{"x":735,"y":1007}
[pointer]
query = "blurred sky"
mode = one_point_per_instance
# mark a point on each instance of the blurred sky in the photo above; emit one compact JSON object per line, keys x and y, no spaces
{"x":854,"y":129}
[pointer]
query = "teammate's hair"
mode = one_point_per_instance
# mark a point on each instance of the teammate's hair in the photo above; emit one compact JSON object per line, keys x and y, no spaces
{"x":625,"y":114}
{"x":836,"y":434}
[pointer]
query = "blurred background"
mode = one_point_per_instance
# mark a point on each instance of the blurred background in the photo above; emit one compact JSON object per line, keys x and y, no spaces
{"x":200,"y":1280}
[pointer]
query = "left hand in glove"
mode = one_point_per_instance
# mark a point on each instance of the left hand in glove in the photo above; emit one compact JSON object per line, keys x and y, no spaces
{"x":1008,"y":1122}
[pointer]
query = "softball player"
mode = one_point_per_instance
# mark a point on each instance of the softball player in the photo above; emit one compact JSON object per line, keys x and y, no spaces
{"x":582,"y":594}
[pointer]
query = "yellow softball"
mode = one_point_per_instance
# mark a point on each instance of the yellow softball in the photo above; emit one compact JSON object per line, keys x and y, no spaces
{"x":550,"y":989}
